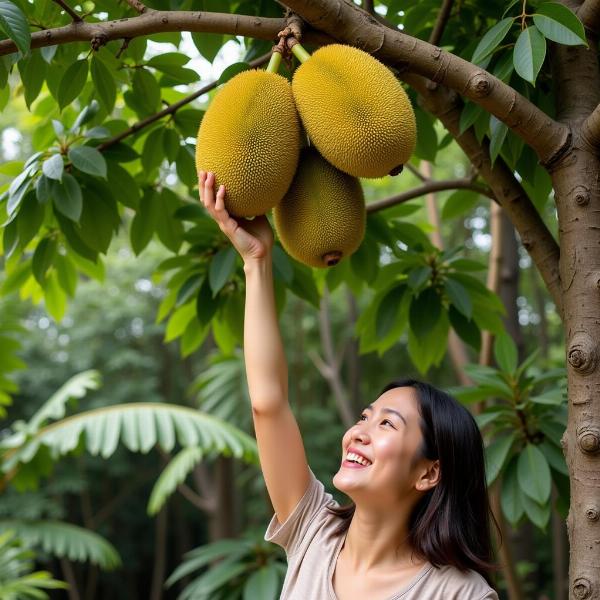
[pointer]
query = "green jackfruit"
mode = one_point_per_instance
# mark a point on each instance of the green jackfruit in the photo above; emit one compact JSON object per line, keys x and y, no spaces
{"x":250,"y":138}
{"x":354,"y":111}
{"x":322,"y":217}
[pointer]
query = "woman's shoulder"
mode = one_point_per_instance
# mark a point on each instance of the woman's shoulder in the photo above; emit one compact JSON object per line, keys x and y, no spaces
{"x":453,"y":582}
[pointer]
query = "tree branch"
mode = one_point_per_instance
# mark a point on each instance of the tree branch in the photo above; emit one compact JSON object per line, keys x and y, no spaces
{"x":171,"y":109}
{"x":428,"y":188}
{"x":589,"y":15}
{"x":346,"y":21}
{"x":590,"y":129}
{"x":76,"y":18}
{"x":535,"y":236}
{"x":440,"y":24}
{"x":157,"y":21}
{"x":205,"y":504}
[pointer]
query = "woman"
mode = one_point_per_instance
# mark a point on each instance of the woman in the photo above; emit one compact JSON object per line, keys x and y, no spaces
{"x":412,"y":464}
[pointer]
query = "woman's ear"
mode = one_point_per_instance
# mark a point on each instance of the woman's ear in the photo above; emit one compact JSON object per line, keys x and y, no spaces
{"x":430,"y":477}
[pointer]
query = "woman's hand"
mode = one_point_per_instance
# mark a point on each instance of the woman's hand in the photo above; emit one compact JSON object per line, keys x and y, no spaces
{"x":253,"y":240}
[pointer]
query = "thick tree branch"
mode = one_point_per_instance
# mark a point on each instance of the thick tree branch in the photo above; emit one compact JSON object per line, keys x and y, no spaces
{"x":440,"y":24}
{"x":535,"y":236}
{"x":76,"y":18}
{"x":589,"y":14}
{"x":348,"y":23}
{"x":428,"y":188}
{"x":590,"y":129}
{"x":172,"y":108}
{"x":156,"y":21}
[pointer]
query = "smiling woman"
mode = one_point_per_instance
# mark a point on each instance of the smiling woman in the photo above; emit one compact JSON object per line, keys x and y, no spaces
{"x":418,"y":526}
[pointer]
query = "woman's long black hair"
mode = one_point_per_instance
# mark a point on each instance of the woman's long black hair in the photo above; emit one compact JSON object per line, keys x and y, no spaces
{"x":450,"y":525}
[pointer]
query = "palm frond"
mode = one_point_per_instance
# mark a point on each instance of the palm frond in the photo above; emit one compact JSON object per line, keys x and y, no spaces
{"x":139,"y":426}
{"x":173,"y":474}
{"x":65,"y":540}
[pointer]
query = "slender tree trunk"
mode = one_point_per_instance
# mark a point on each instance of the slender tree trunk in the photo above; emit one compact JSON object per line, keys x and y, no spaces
{"x":160,"y":555}
{"x":69,"y":576}
{"x":222,"y":524}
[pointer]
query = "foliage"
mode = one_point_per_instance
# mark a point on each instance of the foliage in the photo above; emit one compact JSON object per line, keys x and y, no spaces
{"x":18,"y":580}
{"x":525,"y":424}
{"x":246,"y":569}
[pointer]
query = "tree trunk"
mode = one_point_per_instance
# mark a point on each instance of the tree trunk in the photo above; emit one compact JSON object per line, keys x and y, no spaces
{"x":160,"y":555}
{"x":577,"y":193}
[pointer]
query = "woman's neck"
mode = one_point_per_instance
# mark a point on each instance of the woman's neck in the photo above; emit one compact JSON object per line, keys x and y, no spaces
{"x":378,"y":540}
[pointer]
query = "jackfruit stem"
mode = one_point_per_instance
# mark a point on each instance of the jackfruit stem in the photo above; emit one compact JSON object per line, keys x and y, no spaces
{"x":274,"y":63}
{"x":332,"y":258}
{"x":299,"y":52}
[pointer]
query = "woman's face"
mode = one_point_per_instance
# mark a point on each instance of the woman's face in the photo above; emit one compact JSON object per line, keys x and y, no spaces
{"x":378,"y":452}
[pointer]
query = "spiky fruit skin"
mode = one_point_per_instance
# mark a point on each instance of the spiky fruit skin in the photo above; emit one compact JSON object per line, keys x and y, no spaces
{"x":355,"y":111}
{"x":250,"y":138}
{"x":323,"y":214}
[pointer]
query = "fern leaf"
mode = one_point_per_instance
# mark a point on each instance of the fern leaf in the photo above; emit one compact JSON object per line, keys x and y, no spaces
{"x":65,"y":540}
{"x":173,"y":474}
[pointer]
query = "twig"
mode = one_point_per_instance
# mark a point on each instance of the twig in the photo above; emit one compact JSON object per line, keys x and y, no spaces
{"x":197,"y":500}
{"x":440,"y":24}
{"x":427,"y":188}
{"x":76,"y":18}
{"x":415,"y":172}
{"x":171,"y":109}
{"x":139,"y":6}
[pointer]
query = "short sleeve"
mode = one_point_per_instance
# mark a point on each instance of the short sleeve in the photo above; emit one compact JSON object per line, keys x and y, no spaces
{"x":289,"y":535}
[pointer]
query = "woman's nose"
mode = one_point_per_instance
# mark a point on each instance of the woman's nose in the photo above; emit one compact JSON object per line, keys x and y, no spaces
{"x":360,"y":435}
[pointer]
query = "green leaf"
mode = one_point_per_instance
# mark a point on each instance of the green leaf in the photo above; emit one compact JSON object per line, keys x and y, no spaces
{"x":188,"y":121}
{"x":54,"y":297}
{"x":534,"y":474}
{"x":31,"y":215}
{"x":559,"y":24}
{"x":42,"y":259}
{"x":424,"y":312}
{"x":388,"y":310}
{"x":505,"y":352}
{"x":85,"y":116}
{"x":171,"y":143}
{"x":496,"y":454}
{"x":511,"y":495}
{"x":67,"y":274}
{"x":152,"y":154}
{"x":173,"y":474}
{"x":554,"y":456}
{"x":186,"y":166}
{"x":429,"y":349}
{"x":221,"y":267}
{"x":67,"y":197}
{"x":459,"y":297}
{"x":282,"y":267}
{"x":492,"y":39}
{"x":467,"y":329}
{"x":32,"y":71}
{"x":459,"y":203}
{"x":99,"y":219}
{"x":53,"y":167}
{"x":232,"y":70}
{"x":427,"y":142}
{"x":263,"y":583}
{"x":72,"y":82}
{"x":123,"y":186}
{"x":471,"y":112}
{"x":539,"y":514}
{"x":65,"y":540}
{"x":143,"y":224}
{"x":208,"y":44}
{"x":529,"y":53}
{"x":146,"y":90}
{"x":206,"y":304}
{"x":14,"y":24}
{"x":88,"y":159}
{"x":498,"y":131}
{"x":418,"y":277}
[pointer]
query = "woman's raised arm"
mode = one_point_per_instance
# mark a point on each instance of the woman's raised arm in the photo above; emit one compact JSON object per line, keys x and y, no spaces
{"x":280,"y":447}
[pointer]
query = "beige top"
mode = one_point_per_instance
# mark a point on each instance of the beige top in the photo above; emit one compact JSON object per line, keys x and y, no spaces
{"x":312,"y":547}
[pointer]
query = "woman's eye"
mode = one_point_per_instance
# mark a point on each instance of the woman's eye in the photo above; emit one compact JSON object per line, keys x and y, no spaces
{"x":362,"y":418}
{"x":388,"y":422}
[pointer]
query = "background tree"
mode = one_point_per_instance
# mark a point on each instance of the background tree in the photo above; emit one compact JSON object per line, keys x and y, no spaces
{"x":516,"y":88}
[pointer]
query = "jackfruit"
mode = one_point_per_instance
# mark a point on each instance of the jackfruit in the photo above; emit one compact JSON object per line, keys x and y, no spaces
{"x":250,"y":138}
{"x":322,"y":217}
{"x":354,"y":110}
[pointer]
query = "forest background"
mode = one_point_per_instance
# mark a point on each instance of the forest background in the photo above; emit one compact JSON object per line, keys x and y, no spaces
{"x":126,"y":448}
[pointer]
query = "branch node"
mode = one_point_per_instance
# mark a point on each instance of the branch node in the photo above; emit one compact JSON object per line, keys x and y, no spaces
{"x":588,"y":439}
{"x":582,"y":588}
{"x":100,"y":39}
{"x":581,"y":195}
{"x":480,"y":84}
{"x":582,"y":355}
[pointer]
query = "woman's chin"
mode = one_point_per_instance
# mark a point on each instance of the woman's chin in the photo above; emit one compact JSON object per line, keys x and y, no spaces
{"x":344,"y":482}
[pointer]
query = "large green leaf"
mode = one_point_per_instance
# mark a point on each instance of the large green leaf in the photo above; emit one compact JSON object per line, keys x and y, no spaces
{"x":104,"y":83}
{"x":67,"y":197}
{"x":263,"y":583}
{"x":534,"y":474}
{"x":139,"y":427}
{"x":496,"y":454}
{"x":511,"y":495}
{"x":72,"y":82}
{"x":173,"y":474}
{"x":529,"y":53}
{"x":559,"y":24}
{"x":14,"y":24}
{"x":88,"y":160}
{"x":492,"y":39}
{"x":65,"y":540}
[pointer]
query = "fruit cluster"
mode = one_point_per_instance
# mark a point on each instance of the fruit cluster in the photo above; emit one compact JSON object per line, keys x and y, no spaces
{"x":359,"y":123}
